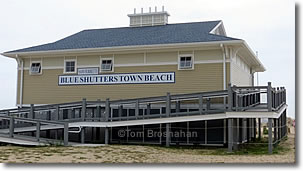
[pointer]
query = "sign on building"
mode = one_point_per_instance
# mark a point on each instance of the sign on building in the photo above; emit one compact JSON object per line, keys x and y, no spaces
{"x":88,"y":71}
{"x":123,"y":78}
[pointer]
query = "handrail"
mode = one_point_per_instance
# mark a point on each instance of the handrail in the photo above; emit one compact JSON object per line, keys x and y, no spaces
{"x":239,"y":99}
{"x":33,"y":120}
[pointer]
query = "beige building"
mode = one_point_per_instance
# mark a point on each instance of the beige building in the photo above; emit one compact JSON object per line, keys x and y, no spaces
{"x":150,"y":76}
{"x":149,"y":58}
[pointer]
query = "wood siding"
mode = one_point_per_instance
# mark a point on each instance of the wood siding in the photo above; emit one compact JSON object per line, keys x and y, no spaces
{"x":44,"y":89}
{"x":240,"y":77}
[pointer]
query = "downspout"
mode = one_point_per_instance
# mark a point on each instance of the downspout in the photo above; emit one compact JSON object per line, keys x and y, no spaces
{"x":20,"y":62}
{"x":224,"y":71}
{"x":224,"y":66}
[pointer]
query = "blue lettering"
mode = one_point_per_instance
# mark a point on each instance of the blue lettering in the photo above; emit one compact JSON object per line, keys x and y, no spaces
{"x":158,"y":78}
{"x":132,"y":78}
{"x":146,"y":77}
{"x":76,"y":79}
{"x":151,"y":77}
{"x":86,"y":79}
{"x":63,"y":80}
{"x":170,"y":77}
{"x":126,"y":78}
{"x":106,"y":79}
{"x":115,"y":78}
{"x":140,"y":77}
{"x":110,"y":78}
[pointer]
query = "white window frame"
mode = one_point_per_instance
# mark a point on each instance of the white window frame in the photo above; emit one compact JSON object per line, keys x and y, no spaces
{"x":70,"y":60}
{"x":100,"y":65}
{"x":192,"y":60}
{"x":30,"y":67}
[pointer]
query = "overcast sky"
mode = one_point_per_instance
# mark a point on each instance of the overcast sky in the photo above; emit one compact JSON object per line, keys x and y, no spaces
{"x":268,"y":26}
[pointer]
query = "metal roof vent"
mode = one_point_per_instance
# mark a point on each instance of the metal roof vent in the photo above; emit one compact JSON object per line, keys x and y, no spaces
{"x":149,"y":18}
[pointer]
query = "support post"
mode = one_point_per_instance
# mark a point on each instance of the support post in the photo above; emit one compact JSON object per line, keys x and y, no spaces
{"x":73,"y":114}
{"x":224,"y":131}
{"x":207,"y":104}
{"x":57,"y":113}
{"x":255,"y":128}
{"x":82,"y":135}
{"x":120,"y":110}
{"x":11,"y":127}
{"x":269,"y":97}
{"x":237,"y":102}
{"x":201,"y":104}
{"x":205,"y":132}
{"x":236,"y":133}
{"x":168,"y":105}
{"x":275,"y":130}
{"x":38,"y":127}
{"x":259,"y":128}
{"x":270,"y":135}
{"x":160,"y":137}
{"x":230,"y":97}
{"x":107,"y":109}
{"x":98,"y":110}
{"x":280,"y":128}
{"x":49,"y":117}
{"x":230,"y":135}
{"x":137,"y":109}
{"x":178,"y":106}
{"x":167,"y":134}
{"x":148,"y":109}
{"x":83,"y":110}
{"x":65,"y":134}
{"x":243,"y":129}
{"x":106,"y":136}
{"x":61,"y":114}
{"x":57,"y":110}
{"x":69,"y":113}
{"x":32,"y":112}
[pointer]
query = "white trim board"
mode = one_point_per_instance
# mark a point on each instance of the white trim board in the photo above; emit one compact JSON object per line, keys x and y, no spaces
{"x":138,"y":64}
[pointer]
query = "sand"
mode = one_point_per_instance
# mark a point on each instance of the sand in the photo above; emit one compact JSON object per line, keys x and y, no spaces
{"x":137,"y":154}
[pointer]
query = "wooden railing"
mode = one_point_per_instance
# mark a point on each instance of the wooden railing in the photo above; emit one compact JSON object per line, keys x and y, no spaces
{"x":15,"y":121}
{"x":234,"y":99}
{"x":239,"y":99}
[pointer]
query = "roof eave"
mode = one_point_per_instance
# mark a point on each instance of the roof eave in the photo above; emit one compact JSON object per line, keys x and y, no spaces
{"x":121,"y":48}
{"x":260,"y":67}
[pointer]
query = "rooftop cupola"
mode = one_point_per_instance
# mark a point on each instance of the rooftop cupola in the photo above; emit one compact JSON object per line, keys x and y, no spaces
{"x":148,"y":18}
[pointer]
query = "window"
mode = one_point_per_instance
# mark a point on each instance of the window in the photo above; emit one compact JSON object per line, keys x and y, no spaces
{"x":35,"y":68}
{"x":107,"y":65}
{"x":70,"y":66}
{"x":185,"y":62}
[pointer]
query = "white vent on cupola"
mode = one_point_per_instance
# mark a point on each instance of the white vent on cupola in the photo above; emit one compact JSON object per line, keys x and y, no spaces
{"x":149,"y":18}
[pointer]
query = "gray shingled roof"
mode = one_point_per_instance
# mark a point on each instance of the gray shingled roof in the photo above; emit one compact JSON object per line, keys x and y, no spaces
{"x":132,"y":36}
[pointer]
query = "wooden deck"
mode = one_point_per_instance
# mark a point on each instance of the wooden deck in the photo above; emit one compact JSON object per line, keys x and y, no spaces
{"x":236,"y":102}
